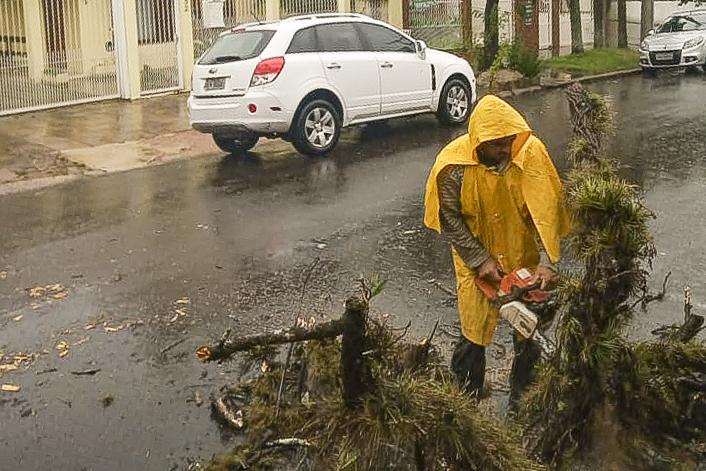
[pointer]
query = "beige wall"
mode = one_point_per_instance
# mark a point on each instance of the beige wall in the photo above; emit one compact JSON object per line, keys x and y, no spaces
{"x":12,"y":24}
{"x":96,"y":33}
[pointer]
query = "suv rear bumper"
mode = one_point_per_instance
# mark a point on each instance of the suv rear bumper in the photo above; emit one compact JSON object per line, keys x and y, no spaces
{"x":230,"y":115}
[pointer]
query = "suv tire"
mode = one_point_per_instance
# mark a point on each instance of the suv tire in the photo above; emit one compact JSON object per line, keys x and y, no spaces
{"x":317,"y":128}
{"x":236,"y":146}
{"x":455,"y":102}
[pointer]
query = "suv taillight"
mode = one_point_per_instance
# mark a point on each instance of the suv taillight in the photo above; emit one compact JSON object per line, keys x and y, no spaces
{"x":266,"y":71}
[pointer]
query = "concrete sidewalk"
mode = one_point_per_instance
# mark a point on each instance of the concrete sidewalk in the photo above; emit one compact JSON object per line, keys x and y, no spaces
{"x":55,"y":145}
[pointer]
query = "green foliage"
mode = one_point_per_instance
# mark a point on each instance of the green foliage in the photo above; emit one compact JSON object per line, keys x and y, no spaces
{"x":412,"y":415}
{"x":594,"y":61}
{"x":524,"y":60}
{"x":611,"y":240}
{"x":663,"y":398}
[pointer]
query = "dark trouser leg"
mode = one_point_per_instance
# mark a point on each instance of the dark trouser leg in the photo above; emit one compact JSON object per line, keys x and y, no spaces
{"x":468,"y":364}
{"x":527,"y":353}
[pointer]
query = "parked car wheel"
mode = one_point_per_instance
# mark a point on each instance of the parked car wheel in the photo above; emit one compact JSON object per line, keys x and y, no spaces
{"x":455,"y":102}
{"x":317,"y":128}
{"x":236,"y":146}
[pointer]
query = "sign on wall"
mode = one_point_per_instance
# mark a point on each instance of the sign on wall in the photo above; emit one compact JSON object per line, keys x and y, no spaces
{"x":213,"y":13}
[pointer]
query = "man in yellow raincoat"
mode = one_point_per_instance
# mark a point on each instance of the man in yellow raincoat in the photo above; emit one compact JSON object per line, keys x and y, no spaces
{"x":495,"y":194}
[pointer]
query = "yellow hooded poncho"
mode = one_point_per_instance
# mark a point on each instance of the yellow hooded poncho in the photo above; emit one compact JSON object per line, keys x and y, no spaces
{"x":502,"y":211}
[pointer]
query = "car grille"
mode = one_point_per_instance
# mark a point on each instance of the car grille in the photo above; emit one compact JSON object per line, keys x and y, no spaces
{"x":675,"y":60}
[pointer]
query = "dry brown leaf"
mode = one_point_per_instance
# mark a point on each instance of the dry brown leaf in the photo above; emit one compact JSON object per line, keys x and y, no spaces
{"x":180,"y":312}
{"x":184,"y":300}
{"x":3,"y":275}
{"x":37,"y":292}
{"x":61,"y":295}
{"x":203,"y":353}
{"x":8,"y":368}
{"x":18,"y":318}
{"x":10,"y":388}
{"x":63,"y":348}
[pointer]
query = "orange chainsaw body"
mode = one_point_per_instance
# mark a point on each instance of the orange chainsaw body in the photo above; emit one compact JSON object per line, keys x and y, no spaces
{"x":520,"y":278}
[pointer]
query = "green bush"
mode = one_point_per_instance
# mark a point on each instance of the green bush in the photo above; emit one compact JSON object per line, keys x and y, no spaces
{"x":524,"y":60}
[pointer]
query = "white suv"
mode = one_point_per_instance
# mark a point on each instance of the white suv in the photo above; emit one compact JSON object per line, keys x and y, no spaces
{"x":305,"y":78}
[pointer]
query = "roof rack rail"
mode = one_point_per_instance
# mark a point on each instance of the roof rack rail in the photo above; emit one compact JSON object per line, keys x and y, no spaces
{"x":324,"y":15}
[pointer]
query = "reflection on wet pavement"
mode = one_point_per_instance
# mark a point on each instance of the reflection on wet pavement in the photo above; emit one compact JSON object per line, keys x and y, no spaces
{"x":157,"y":261}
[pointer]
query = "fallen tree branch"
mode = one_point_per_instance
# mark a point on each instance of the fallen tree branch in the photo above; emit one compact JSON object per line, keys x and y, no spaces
{"x":226,"y":349}
{"x":290,"y":442}
{"x":648,"y":298}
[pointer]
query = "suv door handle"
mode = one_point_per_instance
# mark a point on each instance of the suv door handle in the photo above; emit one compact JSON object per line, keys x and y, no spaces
{"x":386,"y":65}
{"x":333,"y":65}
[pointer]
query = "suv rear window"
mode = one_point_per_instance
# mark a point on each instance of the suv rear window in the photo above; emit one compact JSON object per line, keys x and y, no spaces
{"x":303,"y":41}
{"x":237,"y":46}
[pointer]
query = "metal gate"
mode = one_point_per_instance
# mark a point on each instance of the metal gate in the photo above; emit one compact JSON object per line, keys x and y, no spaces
{"x":158,"y":46}
{"x":54,"y":53}
{"x":438,"y":22}
{"x":377,"y":9}
{"x":302,"y":7}
{"x":235,"y":12}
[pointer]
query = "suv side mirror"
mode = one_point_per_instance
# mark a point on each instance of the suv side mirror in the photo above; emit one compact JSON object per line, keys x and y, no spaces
{"x":421,"y":47}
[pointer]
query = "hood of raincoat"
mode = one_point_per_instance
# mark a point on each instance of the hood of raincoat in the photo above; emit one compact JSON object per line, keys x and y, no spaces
{"x":493,"y":118}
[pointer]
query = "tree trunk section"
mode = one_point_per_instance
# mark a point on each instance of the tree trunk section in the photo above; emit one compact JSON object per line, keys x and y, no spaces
{"x":622,"y":24}
{"x":356,"y":378}
{"x":491,"y":33}
{"x":576,"y":34}
{"x":598,"y":28}
{"x":467,"y":23}
{"x":556,"y":28}
{"x":647,"y":17}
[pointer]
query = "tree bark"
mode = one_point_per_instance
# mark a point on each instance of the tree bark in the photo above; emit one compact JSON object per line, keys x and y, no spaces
{"x":491,"y":34}
{"x":622,"y":24}
{"x":598,"y":28}
{"x":647,"y":17}
{"x":354,"y":373}
{"x":556,"y":27}
{"x":576,"y":33}
{"x":467,"y":23}
{"x":225,"y":349}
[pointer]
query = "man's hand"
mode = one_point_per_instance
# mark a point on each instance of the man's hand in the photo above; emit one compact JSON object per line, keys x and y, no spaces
{"x":491,"y":271}
{"x":546,"y":276}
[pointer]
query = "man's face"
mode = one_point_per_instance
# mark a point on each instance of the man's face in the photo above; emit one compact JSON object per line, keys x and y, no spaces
{"x":493,"y":152}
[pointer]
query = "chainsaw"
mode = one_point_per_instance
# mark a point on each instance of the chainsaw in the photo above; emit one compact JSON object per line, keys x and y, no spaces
{"x":511,"y":297}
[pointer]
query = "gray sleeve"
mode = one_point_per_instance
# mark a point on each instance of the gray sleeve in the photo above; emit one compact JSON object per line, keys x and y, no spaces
{"x":453,"y":227}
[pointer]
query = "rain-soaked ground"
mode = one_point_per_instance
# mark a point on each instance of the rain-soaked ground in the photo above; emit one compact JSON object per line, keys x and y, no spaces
{"x":140,"y":268}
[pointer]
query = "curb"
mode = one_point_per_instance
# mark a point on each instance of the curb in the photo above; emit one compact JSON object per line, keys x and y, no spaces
{"x":588,"y":78}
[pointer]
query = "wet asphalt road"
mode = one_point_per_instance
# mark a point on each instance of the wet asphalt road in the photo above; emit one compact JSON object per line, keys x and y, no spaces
{"x":170,"y":256}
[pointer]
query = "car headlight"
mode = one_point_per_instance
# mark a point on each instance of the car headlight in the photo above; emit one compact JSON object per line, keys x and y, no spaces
{"x":644,"y":46}
{"x":691,"y":43}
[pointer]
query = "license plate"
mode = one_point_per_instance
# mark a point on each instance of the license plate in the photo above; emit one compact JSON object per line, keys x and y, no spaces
{"x":218,"y":83}
{"x":664,"y":56}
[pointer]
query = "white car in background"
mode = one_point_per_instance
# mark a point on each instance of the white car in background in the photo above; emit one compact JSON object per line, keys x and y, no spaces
{"x":680,"y":41}
{"x":305,"y":78}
